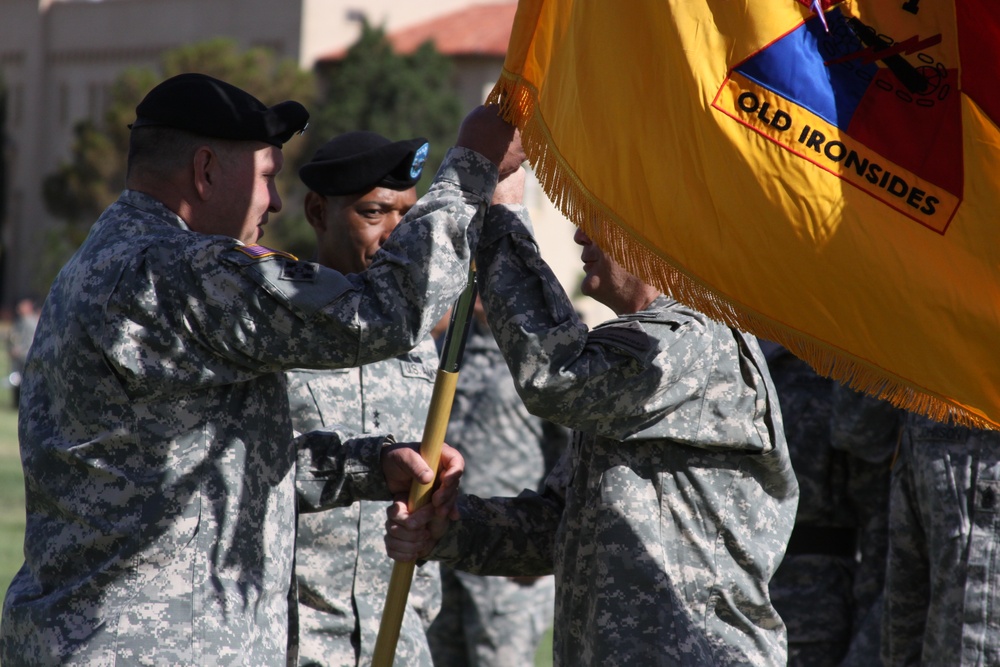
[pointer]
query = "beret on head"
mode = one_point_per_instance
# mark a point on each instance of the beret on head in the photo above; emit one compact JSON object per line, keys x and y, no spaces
{"x":359,"y":161}
{"x":208,"y":107}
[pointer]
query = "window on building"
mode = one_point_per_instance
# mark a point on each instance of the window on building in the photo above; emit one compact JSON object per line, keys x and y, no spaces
{"x":16,"y":101}
{"x":95,"y":101}
{"x":63,"y":103}
{"x":14,"y":209}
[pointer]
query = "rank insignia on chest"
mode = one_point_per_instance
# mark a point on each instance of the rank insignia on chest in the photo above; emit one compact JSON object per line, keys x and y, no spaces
{"x":299,"y":271}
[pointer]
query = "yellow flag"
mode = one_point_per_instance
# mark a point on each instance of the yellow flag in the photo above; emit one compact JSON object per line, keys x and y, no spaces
{"x":826,"y":175}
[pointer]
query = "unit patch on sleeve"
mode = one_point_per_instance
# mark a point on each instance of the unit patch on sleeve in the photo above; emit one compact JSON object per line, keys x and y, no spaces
{"x":299,"y":271}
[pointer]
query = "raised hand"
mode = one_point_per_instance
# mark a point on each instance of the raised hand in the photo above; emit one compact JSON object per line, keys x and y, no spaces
{"x":485,"y":132}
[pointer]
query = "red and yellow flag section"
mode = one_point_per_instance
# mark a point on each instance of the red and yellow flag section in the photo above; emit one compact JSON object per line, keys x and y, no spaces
{"x":825,"y":175}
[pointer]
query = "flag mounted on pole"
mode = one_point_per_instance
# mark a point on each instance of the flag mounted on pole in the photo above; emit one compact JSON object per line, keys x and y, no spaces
{"x":825,"y":175}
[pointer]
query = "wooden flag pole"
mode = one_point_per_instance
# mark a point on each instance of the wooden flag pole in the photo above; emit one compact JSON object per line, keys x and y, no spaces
{"x":435,"y":427}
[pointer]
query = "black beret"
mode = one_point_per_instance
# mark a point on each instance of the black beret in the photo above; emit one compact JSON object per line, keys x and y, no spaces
{"x":209,"y":107}
{"x":359,"y":161}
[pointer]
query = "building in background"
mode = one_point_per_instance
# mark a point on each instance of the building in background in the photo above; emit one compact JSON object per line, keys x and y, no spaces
{"x":58,"y":59}
{"x":473,"y":37}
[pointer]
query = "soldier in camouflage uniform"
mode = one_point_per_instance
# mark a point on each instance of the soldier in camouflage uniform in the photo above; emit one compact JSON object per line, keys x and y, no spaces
{"x":361,"y":185}
{"x":669,"y":513}
{"x":494,"y":621}
{"x":869,"y":430}
{"x":942,"y":604}
{"x":160,"y":472}
{"x":841,"y":443}
{"x":22,"y":332}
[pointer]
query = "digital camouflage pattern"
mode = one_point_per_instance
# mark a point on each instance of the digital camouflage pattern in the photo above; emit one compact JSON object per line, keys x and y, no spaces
{"x":671,"y":509}
{"x":840,"y":443}
{"x":868,"y":430}
{"x":506,"y":448}
{"x":942,"y":602}
{"x":341,"y":570}
{"x":494,"y":621}
{"x":160,"y":472}
{"x":500,"y":623}
{"x":22,"y":332}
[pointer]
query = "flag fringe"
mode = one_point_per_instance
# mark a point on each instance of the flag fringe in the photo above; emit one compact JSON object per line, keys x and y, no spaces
{"x":517,"y":101}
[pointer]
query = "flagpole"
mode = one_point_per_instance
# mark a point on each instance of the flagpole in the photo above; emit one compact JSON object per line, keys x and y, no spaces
{"x":438,"y":414}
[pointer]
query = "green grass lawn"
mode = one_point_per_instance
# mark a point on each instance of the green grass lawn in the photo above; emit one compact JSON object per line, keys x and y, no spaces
{"x":11,"y":493}
{"x":543,"y":658}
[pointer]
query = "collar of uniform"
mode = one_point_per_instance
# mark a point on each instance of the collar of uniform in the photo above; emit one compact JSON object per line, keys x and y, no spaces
{"x":144,"y":202}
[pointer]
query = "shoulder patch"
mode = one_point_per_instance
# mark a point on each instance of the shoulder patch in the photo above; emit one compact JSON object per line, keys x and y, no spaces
{"x":629,"y":337}
{"x":306,"y":287}
{"x":260,"y":252}
{"x":296,"y":271}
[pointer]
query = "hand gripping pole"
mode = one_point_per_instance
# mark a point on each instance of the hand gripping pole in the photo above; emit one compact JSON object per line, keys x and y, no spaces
{"x":435,"y":427}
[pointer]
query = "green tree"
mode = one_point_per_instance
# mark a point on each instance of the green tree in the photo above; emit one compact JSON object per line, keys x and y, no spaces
{"x":399,"y":96}
{"x":371,"y":88}
{"x":94,"y":175}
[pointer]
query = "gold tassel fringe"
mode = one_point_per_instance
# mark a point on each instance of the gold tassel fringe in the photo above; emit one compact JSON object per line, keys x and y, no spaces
{"x":517,"y":101}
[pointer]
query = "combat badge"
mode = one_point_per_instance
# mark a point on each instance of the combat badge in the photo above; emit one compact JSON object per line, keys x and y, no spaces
{"x":260,"y":252}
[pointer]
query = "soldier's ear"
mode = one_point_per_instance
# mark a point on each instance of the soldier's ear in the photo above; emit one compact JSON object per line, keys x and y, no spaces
{"x":206,"y":166}
{"x":315,"y":210}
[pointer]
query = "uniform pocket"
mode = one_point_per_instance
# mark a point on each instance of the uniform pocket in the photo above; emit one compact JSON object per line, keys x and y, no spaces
{"x":943,"y":463}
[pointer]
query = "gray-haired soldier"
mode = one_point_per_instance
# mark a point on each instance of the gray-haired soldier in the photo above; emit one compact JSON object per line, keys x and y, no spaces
{"x":361,"y":185}
{"x":160,"y":471}
{"x":673,"y":506}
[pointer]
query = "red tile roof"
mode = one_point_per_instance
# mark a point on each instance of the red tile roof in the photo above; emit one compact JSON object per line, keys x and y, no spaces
{"x":475,"y":30}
